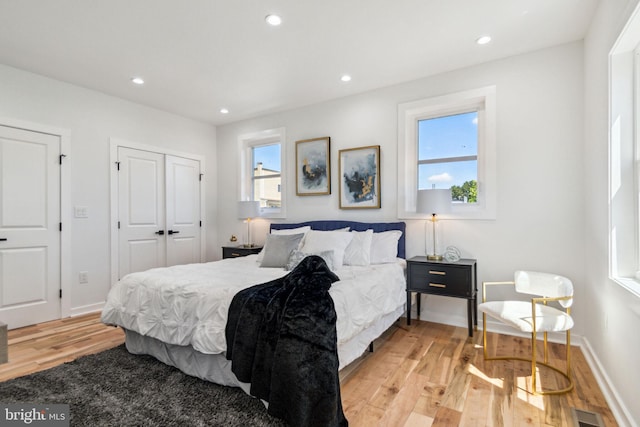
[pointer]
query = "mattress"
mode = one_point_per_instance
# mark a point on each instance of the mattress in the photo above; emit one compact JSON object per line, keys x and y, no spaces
{"x":187,"y":305}
{"x":216,"y":368}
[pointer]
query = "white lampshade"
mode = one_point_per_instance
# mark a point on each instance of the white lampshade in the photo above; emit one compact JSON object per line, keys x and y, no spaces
{"x":433,"y":201}
{"x":248,"y":210}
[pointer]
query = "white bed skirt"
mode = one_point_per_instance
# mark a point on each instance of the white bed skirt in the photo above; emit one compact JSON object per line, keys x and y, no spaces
{"x":217,"y":369}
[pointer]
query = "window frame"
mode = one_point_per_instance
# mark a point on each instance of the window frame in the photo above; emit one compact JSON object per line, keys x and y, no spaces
{"x":246,"y":144}
{"x":481,"y":100}
{"x":624,"y":162}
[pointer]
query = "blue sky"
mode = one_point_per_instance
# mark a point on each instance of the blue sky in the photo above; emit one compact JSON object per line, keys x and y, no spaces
{"x":442,"y":137}
{"x":269,"y":155}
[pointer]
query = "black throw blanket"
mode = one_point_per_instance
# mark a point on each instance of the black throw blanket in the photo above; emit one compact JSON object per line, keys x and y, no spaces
{"x":281,"y":338}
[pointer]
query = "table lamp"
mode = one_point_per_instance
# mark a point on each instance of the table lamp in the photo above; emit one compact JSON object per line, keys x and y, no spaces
{"x":248,"y":210}
{"x":433,"y":202}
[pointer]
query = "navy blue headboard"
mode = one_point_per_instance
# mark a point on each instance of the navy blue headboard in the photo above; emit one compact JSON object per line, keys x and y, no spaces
{"x":328,"y":225}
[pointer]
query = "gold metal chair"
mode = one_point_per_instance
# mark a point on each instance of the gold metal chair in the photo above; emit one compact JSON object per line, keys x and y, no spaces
{"x":534,"y":317}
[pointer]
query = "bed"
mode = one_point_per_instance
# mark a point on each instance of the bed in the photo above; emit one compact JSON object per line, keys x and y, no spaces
{"x":178,"y":314}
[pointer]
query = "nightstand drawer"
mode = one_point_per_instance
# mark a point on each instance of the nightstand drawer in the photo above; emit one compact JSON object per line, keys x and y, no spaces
{"x":239,"y":251}
{"x":440,"y":279}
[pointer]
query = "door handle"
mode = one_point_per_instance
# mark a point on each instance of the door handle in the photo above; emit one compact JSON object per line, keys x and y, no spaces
{"x":160,"y":232}
{"x":172,"y":232}
{"x":3,"y":240}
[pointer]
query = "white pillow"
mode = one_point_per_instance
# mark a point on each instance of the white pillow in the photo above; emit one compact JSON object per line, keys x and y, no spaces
{"x":359,"y":250}
{"x":277,"y":249}
{"x":319,"y":241}
{"x":286,"y":231}
{"x":296,"y":258}
{"x":291,"y":230}
{"x":384,"y":246}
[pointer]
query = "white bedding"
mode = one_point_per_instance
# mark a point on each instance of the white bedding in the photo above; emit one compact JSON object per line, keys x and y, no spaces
{"x":187,"y":305}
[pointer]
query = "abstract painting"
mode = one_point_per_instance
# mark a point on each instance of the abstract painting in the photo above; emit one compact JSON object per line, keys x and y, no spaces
{"x":360,"y":178}
{"x":313,"y":167}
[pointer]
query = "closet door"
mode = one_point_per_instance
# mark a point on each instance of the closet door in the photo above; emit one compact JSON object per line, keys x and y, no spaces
{"x":183,"y":210}
{"x":29,"y":227}
{"x":158,"y":210}
{"x":141,"y":196}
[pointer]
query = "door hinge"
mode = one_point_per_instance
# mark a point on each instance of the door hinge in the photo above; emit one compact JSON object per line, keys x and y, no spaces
{"x":61,"y":157}
{"x":118,"y":165}
{"x":201,"y":176}
{"x":200,"y":223}
{"x":118,"y":225}
{"x":60,"y":293}
{"x":60,"y":226}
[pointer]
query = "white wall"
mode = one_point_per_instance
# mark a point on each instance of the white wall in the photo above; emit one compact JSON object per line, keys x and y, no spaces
{"x":93,"y":118}
{"x":611,"y":324}
{"x":540,"y":193}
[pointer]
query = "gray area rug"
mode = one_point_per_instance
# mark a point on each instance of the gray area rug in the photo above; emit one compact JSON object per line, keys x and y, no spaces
{"x":116,"y":388}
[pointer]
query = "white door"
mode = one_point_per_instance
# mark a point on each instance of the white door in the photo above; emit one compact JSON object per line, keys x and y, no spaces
{"x":141,"y":210}
{"x":29,"y":227}
{"x":159,"y":210}
{"x":183,"y":210}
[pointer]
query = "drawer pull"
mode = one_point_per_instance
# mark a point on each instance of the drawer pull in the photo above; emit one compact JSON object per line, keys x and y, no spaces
{"x":437,"y":285}
{"x":441,"y":273}
{"x":235,"y":254}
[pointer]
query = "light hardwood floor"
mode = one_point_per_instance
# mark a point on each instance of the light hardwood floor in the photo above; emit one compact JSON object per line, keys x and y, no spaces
{"x":426,"y":374}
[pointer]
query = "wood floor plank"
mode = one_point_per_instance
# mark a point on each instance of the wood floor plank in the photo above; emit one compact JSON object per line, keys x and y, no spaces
{"x":406,"y":398}
{"x":367,"y":416}
{"x":476,"y":404}
{"x":446,"y":417}
{"x":418,"y":420}
{"x":430,"y":399}
{"x":389,"y":390}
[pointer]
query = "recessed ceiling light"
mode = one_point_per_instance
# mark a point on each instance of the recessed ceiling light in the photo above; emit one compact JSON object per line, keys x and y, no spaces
{"x":224,"y":111}
{"x":346,"y":78}
{"x":137,"y":80}
{"x":483,"y":40}
{"x":274,"y":20}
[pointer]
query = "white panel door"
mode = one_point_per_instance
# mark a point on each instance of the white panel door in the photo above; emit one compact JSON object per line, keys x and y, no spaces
{"x":183,"y":210}
{"x":158,"y":209}
{"x":29,"y":227}
{"x":141,"y":192}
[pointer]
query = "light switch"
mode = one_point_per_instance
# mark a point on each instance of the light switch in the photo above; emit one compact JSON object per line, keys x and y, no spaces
{"x":81,"y":211}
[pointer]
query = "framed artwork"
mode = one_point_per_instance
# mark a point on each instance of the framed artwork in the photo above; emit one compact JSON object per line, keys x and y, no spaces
{"x":360,"y":177}
{"x":313,"y":167}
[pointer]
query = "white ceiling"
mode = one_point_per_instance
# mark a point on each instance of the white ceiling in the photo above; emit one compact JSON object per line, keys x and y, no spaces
{"x":198,"y":56}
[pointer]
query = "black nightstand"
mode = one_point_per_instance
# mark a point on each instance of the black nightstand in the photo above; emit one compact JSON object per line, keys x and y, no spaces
{"x":450,"y":279}
{"x":238,"y":251}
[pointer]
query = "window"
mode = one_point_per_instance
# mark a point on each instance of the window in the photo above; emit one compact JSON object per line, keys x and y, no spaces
{"x":624,"y":149}
{"x":449,"y":142}
{"x":266,"y":175}
{"x":448,"y":155}
{"x":262,"y":173}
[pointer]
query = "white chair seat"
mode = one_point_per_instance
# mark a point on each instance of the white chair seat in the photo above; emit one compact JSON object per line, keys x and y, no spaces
{"x":518,"y":315}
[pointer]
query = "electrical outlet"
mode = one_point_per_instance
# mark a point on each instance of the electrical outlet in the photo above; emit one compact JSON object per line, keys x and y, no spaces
{"x":83,"y":277}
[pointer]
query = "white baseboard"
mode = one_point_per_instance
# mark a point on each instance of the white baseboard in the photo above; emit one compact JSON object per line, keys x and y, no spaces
{"x":620,"y":411}
{"x":86,"y":309}
{"x":451,"y":320}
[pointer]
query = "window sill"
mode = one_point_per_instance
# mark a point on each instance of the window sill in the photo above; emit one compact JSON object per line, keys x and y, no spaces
{"x":630,"y":284}
{"x":273,"y":213}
